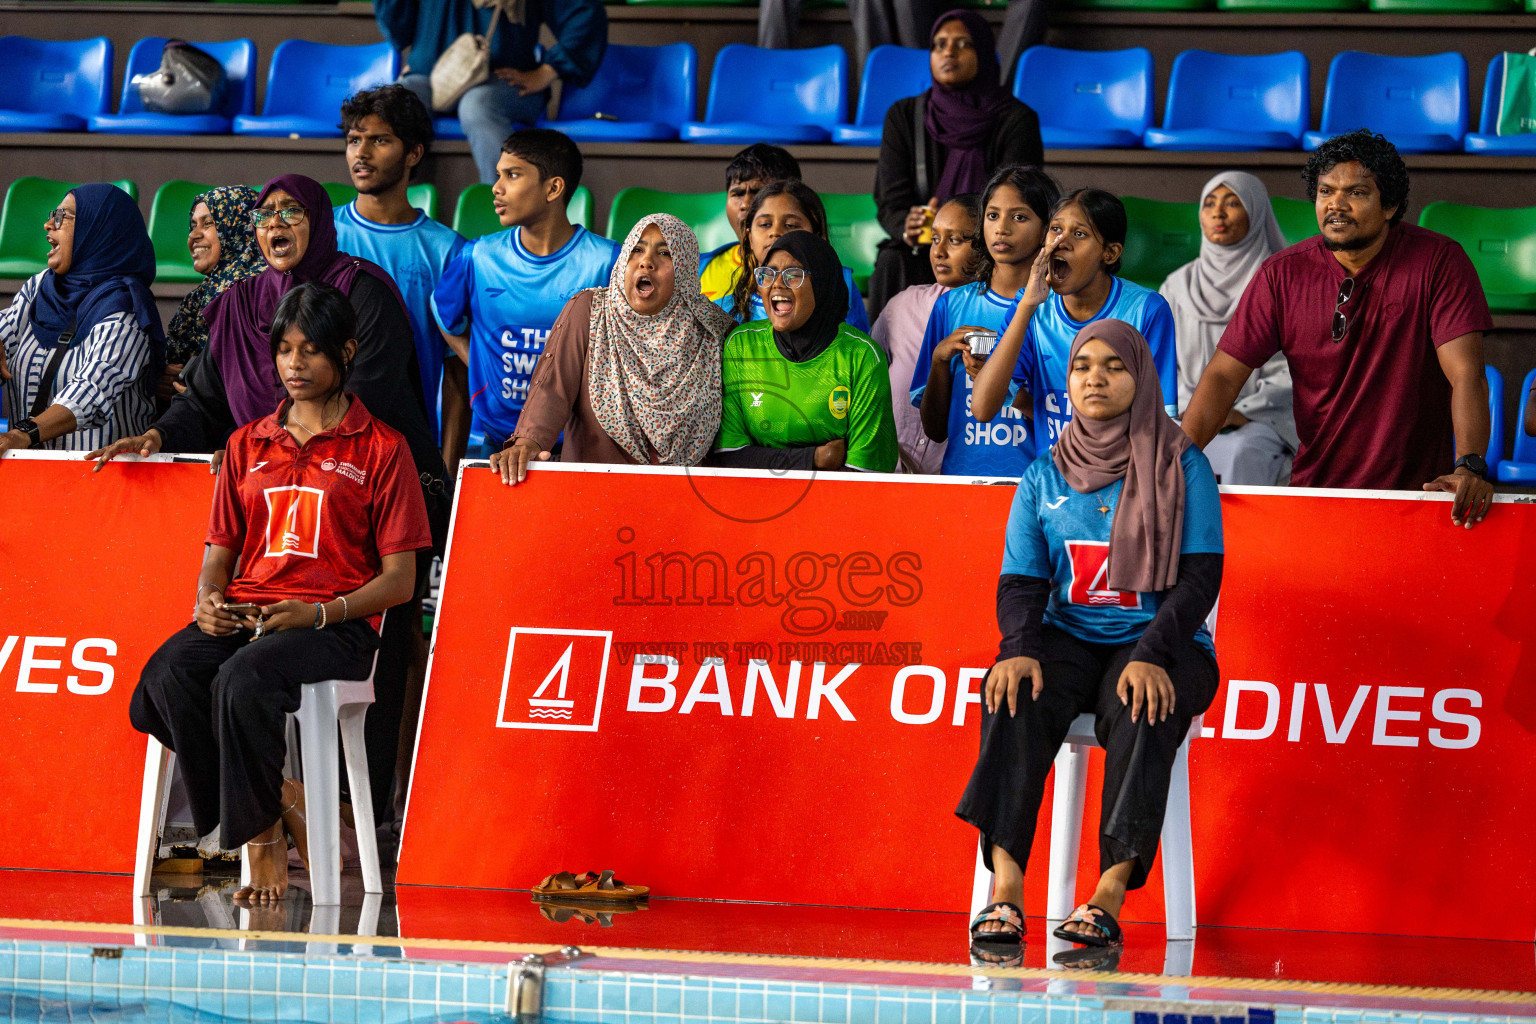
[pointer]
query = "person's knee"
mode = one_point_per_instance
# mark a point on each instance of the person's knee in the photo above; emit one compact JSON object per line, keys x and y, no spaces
{"x":486,"y":111}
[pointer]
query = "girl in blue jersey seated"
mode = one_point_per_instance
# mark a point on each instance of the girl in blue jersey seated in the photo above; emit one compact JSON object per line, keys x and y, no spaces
{"x":782,"y":207}
{"x":1112,"y":562}
{"x":1072,"y":283}
{"x":899,"y":328}
{"x":1016,"y":206}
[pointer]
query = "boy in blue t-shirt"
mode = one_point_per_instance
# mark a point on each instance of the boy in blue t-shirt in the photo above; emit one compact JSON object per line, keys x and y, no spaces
{"x":388,"y":133}
{"x":501,"y":295}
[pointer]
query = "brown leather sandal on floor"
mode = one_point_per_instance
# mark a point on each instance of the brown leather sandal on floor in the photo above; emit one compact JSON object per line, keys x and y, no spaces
{"x":588,"y":888}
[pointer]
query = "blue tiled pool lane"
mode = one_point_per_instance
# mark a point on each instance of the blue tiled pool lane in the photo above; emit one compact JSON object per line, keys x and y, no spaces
{"x":378,"y":983}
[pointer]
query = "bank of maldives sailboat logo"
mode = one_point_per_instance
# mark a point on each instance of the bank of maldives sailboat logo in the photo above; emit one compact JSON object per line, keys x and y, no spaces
{"x":554,"y":679}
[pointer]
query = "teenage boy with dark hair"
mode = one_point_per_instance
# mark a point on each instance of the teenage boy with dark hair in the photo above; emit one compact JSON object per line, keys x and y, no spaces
{"x":745,"y":176}
{"x":503,"y":292}
{"x":389,"y":133}
{"x":1382,"y":323}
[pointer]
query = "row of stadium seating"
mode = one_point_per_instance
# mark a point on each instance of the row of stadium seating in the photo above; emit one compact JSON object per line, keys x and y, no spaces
{"x":1162,"y":236}
{"x":1387,"y":6}
{"x":1086,"y":99}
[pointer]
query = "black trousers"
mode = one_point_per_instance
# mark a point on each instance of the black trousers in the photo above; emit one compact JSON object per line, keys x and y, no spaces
{"x":220,"y":703}
{"x":875,"y":23}
{"x":1008,"y":784}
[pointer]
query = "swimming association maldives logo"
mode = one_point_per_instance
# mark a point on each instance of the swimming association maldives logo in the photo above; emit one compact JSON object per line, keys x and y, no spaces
{"x":838,"y":401}
{"x":554,"y":679}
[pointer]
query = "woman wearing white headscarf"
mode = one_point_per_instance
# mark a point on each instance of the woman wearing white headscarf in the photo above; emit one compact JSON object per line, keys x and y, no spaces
{"x":1239,"y":233}
{"x":631,"y":372}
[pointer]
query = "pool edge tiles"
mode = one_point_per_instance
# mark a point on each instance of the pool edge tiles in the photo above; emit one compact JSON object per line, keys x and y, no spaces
{"x":257,"y":985}
{"x":586,"y":996}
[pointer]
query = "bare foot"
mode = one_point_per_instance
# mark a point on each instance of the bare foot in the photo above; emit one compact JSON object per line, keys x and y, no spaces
{"x":267,"y":855}
{"x":1007,"y":887}
{"x":293,"y":818}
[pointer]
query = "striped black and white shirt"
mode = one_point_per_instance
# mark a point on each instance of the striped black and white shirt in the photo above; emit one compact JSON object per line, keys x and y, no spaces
{"x":99,"y":379}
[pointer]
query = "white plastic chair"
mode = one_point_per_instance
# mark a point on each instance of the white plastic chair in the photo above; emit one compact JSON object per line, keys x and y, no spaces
{"x":1176,"y":856}
{"x":322,"y":707}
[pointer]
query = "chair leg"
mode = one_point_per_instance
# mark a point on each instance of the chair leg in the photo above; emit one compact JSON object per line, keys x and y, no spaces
{"x":1178,"y":854}
{"x":981,"y":889}
{"x":322,"y":791}
{"x":356,"y":753}
{"x":1066,"y":830}
{"x":152,"y":799}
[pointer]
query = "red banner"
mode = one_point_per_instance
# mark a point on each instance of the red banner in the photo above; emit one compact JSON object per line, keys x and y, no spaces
{"x":737,"y":687}
{"x":96,"y":569}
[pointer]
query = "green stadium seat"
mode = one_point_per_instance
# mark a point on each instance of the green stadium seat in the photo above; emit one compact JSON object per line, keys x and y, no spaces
{"x":1501,"y":244}
{"x":855,"y":231}
{"x":474,"y":216}
{"x":1289,"y":5}
{"x":23,"y":244}
{"x":703,"y":211}
{"x":169,"y":214}
{"x":1446,"y":6}
{"x":422,"y":196}
{"x":1160,"y":237}
{"x":1297,"y":217}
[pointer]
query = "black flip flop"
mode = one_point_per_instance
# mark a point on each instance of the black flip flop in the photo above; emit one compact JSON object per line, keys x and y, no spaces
{"x":1112,"y":936}
{"x":1009,"y":914}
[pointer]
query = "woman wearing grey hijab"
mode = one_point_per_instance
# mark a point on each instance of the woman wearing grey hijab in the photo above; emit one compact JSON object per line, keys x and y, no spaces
{"x":1239,"y":233}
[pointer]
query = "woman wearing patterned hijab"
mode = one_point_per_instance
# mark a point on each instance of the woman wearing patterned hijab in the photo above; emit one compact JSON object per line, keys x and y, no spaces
{"x":631,"y":372}
{"x":224,"y":251}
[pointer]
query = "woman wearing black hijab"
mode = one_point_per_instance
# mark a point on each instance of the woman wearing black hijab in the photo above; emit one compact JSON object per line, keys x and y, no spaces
{"x":943,"y":143}
{"x":804,"y":390}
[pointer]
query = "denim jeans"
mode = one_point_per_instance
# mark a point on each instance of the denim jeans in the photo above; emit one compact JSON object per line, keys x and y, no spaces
{"x":489,"y":113}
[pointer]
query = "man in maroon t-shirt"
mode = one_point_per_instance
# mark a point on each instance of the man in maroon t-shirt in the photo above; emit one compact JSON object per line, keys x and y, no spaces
{"x":1382,"y":323}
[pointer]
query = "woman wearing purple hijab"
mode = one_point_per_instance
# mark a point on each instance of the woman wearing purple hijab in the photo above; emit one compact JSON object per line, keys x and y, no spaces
{"x":234,"y":382}
{"x":943,"y":143}
{"x":1112,"y":563}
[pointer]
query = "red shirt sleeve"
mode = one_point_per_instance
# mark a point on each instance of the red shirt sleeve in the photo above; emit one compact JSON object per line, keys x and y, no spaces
{"x":227,"y":522}
{"x":1253,"y":334}
{"x":1457,"y":305}
{"x":399,"y":510}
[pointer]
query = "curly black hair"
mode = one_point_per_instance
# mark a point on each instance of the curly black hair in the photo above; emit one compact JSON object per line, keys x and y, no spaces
{"x":396,"y":106}
{"x":1371,"y":151}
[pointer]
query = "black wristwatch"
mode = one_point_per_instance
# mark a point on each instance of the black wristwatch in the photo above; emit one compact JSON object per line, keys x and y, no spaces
{"x":1474,"y":463}
{"x":28,"y":427}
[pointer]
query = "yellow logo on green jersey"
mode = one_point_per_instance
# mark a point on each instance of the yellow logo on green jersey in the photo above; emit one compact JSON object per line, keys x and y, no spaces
{"x":838,"y":400}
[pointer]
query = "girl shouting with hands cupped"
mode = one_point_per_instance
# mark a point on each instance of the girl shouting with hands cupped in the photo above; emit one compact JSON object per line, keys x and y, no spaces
{"x":1112,"y":563}
{"x":1072,"y":283}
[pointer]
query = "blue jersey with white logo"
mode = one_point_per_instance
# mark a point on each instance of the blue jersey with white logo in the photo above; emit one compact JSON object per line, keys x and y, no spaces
{"x":1057,"y":534}
{"x":415,"y":255}
{"x":1043,"y":367}
{"x":857,"y":316}
{"x":508,"y":299}
{"x":975,"y":448}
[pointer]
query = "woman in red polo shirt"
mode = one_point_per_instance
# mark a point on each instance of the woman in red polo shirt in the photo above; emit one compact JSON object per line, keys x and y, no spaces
{"x":320,"y":507}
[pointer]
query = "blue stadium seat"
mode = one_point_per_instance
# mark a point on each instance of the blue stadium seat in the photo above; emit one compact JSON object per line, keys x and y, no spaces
{"x":306,"y":83}
{"x":53,"y":86}
{"x":639,"y":94}
{"x":1418,"y":103}
{"x":1087,"y":99}
{"x":1495,"y":453}
{"x":1224,"y":102}
{"x":239,"y":59}
{"x":1520,"y":467}
{"x":779,"y":96}
{"x":447,"y":128}
{"x":890,"y":73}
{"x":1487,"y":139}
